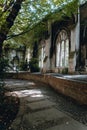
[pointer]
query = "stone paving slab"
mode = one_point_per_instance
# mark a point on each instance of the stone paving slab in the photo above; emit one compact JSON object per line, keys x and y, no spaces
{"x":46,"y":118}
{"x":40,"y":104}
{"x":37,"y":118}
{"x":20,"y":84}
{"x":71,"y":125}
{"x":35,"y":98}
{"x":27,"y":92}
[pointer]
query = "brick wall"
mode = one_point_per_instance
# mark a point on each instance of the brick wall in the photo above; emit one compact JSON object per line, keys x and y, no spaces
{"x":74,"y":89}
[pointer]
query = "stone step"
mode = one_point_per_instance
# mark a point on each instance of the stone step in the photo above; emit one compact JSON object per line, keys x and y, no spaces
{"x":36,"y":97}
{"x":43,"y":116}
{"x":40,"y":105}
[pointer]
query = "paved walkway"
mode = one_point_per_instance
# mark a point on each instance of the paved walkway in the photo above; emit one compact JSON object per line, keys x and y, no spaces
{"x":38,"y":109}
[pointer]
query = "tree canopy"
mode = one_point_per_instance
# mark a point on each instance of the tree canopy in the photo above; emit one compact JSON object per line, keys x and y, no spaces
{"x":30,"y":19}
{"x":32,"y":12}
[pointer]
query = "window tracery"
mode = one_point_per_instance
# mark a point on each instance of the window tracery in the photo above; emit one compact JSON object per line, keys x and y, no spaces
{"x":62,"y":49}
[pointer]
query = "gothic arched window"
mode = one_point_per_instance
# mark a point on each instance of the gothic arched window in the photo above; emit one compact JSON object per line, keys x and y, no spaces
{"x":62,"y":49}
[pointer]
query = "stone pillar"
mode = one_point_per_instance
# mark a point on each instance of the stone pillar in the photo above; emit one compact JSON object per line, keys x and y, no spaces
{"x":75,"y":45}
{"x":46,"y":62}
{"x":28,"y":54}
{"x":72,"y":62}
{"x":78,"y":40}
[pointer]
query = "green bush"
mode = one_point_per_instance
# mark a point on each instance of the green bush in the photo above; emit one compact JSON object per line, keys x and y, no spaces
{"x":65,"y":71}
{"x":3,"y":66}
{"x":2,"y":91}
{"x":23,"y":66}
{"x":33,"y":65}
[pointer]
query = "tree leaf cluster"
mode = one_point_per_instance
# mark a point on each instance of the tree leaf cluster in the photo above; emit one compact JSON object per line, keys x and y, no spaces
{"x":31,"y":21}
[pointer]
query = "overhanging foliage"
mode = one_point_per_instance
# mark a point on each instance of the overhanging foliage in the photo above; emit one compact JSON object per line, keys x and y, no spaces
{"x":31,"y":15}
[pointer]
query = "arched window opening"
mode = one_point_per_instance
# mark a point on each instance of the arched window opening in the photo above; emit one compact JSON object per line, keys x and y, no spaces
{"x":62,"y":49}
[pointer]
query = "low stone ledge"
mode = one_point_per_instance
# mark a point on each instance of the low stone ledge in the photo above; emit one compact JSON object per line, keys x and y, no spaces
{"x":74,"y":89}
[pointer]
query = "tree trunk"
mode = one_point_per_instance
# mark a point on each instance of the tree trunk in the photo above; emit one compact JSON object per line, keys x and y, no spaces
{"x":9,"y":22}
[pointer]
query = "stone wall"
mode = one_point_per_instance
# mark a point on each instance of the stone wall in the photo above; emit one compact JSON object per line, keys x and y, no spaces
{"x":74,"y":89}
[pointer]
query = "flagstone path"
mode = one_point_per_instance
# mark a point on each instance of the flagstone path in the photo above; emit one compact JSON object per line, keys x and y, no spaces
{"x":38,"y":109}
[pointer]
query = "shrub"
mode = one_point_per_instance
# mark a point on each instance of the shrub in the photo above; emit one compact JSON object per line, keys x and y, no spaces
{"x":24,"y":66}
{"x":3,"y":67}
{"x":65,"y":71}
{"x":1,"y":90}
{"x":33,"y":65}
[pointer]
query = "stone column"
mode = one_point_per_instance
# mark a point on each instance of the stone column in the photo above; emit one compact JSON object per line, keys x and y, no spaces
{"x":27,"y":54}
{"x":75,"y":45}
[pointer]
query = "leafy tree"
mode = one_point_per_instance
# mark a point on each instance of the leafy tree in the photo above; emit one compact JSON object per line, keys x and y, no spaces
{"x":8,"y":11}
{"x":30,"y":18}
{"x":29,"y":15}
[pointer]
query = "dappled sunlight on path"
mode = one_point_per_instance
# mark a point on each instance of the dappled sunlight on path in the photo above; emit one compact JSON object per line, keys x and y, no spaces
{"x":41,"y":108}
{"x":25,"y":93}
